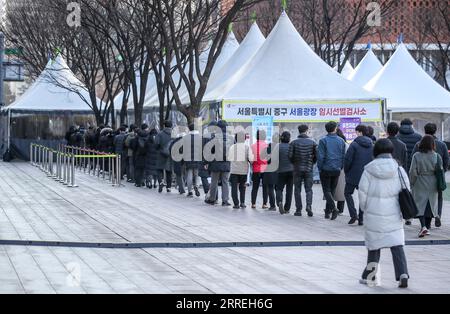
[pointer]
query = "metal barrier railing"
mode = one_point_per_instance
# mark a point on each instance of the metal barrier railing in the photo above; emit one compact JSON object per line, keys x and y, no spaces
{"x":63,"y":163}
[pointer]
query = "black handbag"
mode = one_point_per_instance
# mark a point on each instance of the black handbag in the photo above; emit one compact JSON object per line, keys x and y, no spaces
{"x":407,"y":204}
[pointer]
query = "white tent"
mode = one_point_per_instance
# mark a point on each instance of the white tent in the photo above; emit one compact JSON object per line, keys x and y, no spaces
{"x":229,"y":48}
{"x":222,"y":80}
{"x":56,"y":89}
{"x":287,"y":80}
{"x":407,"y":87}
{"x":347,"y":71}
{"x":366,"y":69}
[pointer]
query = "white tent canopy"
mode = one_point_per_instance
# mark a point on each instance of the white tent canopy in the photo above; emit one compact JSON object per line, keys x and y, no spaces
{"x":347,"y":71}
{"x":222,"y":80}
{"x":285,"y":68}
{"x":366,"y":69}
{"x":407,"y":87}
{"x":56,"y":89}
{"x":230,"y":46}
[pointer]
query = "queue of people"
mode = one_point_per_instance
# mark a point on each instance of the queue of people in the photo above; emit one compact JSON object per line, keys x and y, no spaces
{"x":147,"y":161}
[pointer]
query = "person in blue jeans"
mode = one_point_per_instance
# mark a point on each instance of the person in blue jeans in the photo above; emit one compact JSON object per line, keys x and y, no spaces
{"x":359,"y":154}
{"x":331,"y":154}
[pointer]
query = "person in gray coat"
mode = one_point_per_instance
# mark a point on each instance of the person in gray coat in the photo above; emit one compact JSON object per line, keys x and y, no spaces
{"x":163,"y":143}
{"x":424,"y":183}
{"x":220,"y":166}
{"x":442,"y":150}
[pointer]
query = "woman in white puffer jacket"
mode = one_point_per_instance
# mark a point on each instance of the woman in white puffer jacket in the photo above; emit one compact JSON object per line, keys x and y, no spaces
{"x":379,"y":200}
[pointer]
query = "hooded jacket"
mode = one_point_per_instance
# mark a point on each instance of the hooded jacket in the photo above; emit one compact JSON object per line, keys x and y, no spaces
{"x":359,"y":154}
{"x":410,"y":137}
{"x":378,"y":196}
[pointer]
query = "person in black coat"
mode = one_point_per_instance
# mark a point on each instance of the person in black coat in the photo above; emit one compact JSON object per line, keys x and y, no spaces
{"x":140,"y":153}
{"x":442,"y":150}
{"x":410,"y":137}
{"x":178,"y":165}
{"x":303,"y":155}
{"x":285,"y":175}
{"x":151,"y":172}
{"x":270,"y":177}
{"x":163,"y":142}
{"x":400,"y":150}
{"x":358,"y":156}
{"x":119,"y":148}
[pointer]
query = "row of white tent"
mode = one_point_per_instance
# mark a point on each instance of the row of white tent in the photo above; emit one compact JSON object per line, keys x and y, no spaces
{"x":282,"y":67}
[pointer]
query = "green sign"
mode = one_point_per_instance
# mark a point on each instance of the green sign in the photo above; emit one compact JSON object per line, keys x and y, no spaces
{"x":13,"y":51}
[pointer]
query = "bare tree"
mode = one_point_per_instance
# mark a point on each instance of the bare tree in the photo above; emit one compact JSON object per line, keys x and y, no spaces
{"x":187,"y":30}
{"x":433,"y":42}
{"x":333,"y":28}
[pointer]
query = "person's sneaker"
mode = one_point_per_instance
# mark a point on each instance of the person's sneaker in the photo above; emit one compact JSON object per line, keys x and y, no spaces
{"x":243,"y":206}
{"x":190,"y":195}
{"x":310,"y":213}
{"x":253,"y":206}
{"x":361,"y":223}
{"x":236,"y":207}
{"x":272,"y":209}
{"x":403,"y":281}
{"x":438,"y":222}
{"x":334,"y":215}
{"x":298,"y":213}
{"x":169,"y":191}
{"x":408,"y":223}
{"x":161,"y":188}
{"x":327,"y":215}
{"x":226,"y":204}
{"x":265,"y":207}
{"x":155,"y":186}
{"x":423,"y":232}
{"x":352,"y":221}
{"x":212,"y":203}
{"x":428,"y":233}
{"x":197,"y":192}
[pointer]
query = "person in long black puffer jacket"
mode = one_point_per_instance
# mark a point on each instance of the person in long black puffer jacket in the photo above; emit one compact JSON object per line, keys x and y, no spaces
{"x":410,"y":137}
{"x":151,"y":171}
{"x":140,"y":152}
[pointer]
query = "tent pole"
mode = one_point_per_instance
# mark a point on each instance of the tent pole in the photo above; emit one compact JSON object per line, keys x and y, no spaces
{"x":442,"y":126}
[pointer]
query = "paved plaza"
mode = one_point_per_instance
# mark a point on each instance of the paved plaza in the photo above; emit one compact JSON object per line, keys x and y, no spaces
{"x":38,"y":209}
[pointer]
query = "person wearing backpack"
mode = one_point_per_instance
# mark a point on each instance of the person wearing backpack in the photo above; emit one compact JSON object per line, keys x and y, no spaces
{"x":140,"y":153}
{"x":163,"y":143}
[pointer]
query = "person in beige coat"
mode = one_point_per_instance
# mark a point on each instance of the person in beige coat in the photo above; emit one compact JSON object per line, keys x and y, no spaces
{"x":240,"y":156}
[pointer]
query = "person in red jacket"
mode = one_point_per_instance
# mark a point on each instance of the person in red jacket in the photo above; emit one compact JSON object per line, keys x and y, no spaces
{"x":259,"y":164}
